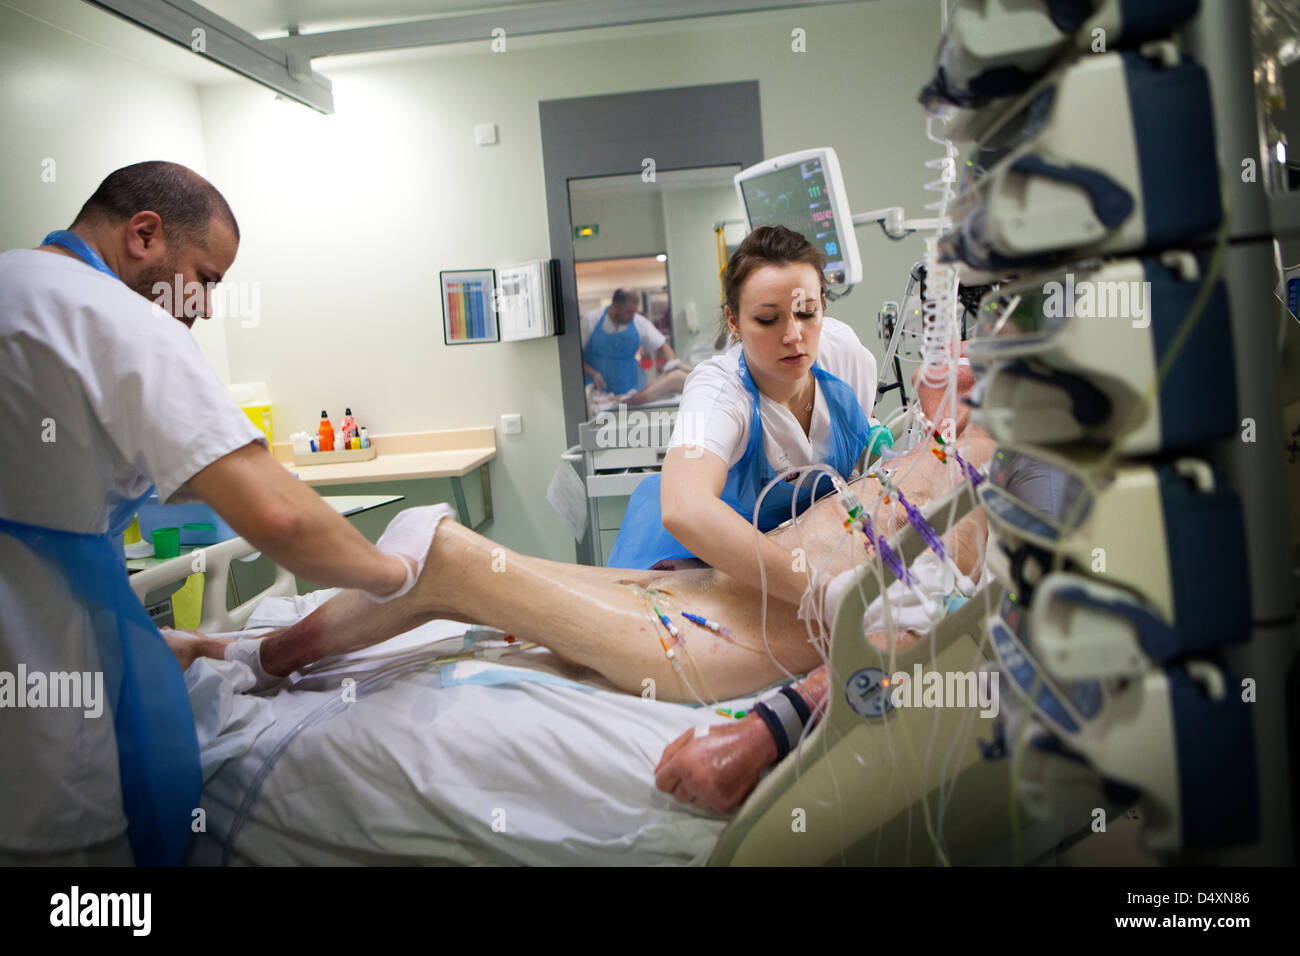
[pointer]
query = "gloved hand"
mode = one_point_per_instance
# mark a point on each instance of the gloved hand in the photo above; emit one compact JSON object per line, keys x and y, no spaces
{"x":827,"y":596}
{"x":409,"y":536}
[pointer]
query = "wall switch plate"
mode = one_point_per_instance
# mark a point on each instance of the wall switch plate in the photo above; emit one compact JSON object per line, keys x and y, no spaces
{"x":512,"y":424}
{"x":485,"y":134}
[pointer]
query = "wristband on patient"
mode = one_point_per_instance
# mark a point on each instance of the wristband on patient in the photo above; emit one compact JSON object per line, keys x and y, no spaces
{"x":786,"y":715}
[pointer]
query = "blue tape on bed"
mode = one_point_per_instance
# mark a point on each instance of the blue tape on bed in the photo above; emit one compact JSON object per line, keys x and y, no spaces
{"x":482,"y":674}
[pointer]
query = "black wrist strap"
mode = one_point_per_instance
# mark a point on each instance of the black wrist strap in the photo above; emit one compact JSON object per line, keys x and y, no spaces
{"x":800,"y":706}
{"x":774,"y":727}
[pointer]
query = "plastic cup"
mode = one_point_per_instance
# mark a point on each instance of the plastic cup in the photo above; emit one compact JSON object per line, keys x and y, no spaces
{"x":166,"y":542}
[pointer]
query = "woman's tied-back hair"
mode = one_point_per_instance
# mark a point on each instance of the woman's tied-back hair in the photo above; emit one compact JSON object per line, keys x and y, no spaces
{"x":184,"y":201}
{"x":767,"y":245}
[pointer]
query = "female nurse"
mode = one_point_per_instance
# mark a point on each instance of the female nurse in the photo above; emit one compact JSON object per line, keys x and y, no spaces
{"x":795,"y":388}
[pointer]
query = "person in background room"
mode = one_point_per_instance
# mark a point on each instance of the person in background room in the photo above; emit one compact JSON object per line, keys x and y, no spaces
{"x":612,"y":337}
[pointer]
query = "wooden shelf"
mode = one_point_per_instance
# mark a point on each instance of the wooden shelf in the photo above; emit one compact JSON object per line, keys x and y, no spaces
{"x":404,"y":457}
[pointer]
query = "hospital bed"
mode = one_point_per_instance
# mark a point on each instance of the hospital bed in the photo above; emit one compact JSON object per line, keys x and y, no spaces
{"x":216,"y":560}
{"x":444,"y":745}
{"x":396,"y":755}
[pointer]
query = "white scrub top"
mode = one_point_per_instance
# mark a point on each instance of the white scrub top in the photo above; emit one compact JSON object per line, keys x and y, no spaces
{"x":651,"y":337}
{"x":714,"y":412}
{"x":122,"y":389}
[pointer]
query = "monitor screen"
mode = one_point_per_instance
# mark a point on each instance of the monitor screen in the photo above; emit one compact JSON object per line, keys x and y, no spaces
{"x":798,"y":197}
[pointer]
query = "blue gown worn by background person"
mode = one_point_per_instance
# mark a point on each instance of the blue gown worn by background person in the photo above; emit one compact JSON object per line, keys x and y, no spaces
{"x":613,"y":355}
{"x":643,"y":541}
{"x":157,"y":745}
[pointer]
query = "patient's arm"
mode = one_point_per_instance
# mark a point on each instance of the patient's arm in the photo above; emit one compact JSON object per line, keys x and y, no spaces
{"x":603,"y":618}
{"x":719,"y":770}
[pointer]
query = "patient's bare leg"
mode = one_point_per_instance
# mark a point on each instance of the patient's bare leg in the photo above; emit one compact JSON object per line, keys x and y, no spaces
{"x":603,"y":618}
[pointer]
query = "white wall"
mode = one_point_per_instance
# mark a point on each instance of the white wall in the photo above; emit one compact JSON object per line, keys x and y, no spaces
{"x":70,"y":101}
{"x":347,"y":219}
{"x":690,"y":213}
{"x":630,"y":221}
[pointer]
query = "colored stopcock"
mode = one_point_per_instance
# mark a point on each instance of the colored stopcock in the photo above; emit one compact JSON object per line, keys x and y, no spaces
{"x":923,"y":527}
{"x":892,"y":561}
{"x":971,"y":472}
{"x":706,"y":623}
{"x":668,"y":625}
{"x":935,"y":543}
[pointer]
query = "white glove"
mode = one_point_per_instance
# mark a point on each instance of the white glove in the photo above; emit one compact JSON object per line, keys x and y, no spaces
{"x":907,"y":610}
{"x":828,"y":596}
{"x":248,"y":651}
{"x":409,"y":535}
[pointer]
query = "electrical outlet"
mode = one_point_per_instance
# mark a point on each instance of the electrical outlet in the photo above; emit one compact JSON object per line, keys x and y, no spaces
{"x":512,"y":424}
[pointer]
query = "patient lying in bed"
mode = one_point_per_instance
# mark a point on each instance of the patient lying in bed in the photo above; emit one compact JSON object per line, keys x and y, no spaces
{"x":605,"y":619}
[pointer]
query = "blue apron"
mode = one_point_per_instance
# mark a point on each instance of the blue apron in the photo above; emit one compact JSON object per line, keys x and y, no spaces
{"x":613,"y":355}
{"x":157,"y":746}
{"x":642,"y":539}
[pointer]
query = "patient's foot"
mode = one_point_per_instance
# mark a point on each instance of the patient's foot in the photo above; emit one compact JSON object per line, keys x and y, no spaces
{"x":189,"y":646}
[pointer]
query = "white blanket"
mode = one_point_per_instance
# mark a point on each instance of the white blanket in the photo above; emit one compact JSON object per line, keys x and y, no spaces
{"x":475,"y":762}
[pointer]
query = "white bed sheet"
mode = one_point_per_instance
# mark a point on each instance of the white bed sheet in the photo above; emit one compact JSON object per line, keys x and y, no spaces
{"x":434,"y":768}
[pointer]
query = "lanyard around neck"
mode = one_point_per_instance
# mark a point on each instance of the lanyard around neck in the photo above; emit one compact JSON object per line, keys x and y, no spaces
{"x":80,"y":248}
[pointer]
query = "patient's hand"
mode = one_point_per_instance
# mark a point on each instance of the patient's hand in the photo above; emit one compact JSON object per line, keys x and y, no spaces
{"x":719,"y":770}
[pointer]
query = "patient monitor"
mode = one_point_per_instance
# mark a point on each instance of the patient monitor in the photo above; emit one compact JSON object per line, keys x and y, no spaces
{"x":804,"y":191}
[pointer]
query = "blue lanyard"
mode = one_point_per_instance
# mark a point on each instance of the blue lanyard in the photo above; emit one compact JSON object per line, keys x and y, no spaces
{"x":80,"y":248}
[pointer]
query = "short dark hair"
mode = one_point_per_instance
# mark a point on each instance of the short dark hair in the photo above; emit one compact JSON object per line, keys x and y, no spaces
{"x":184,"y":201}
{"x":624,"y":295}
{"x":767,"y":245}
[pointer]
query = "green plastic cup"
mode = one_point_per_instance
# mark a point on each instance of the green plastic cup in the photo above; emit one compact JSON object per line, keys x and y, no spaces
{"x":166,"y":542}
